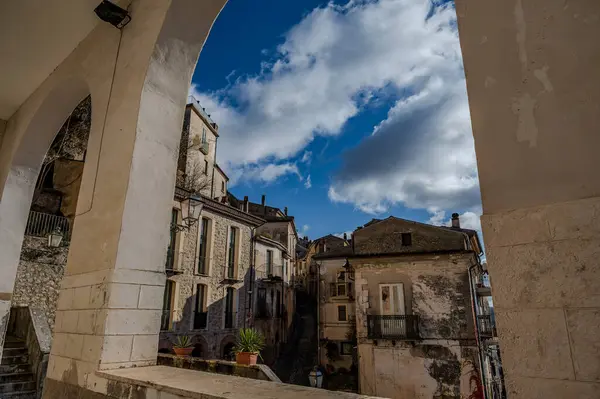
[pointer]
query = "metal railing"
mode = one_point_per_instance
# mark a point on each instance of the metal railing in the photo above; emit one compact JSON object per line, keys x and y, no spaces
{"x":269,"y":272}
{"x":230,"y":319}
{"x":393,"y":326}
{"x":41,"y":224}
{"x":486,"y":325}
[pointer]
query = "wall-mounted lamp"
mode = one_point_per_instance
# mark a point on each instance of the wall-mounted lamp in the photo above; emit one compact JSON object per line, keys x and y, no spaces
{"x":190,"y":213}
{"x":55,"y":238}
{"x":113,"y":14}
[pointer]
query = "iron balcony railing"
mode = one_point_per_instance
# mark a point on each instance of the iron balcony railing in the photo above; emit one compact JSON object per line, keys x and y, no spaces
{"x":230,"y":319}
{"x":200,"y":320}
{"x":486,"y":326}
{"x":269,"y":272}
{"x":41,"y":224}
{"x":393,"y":327}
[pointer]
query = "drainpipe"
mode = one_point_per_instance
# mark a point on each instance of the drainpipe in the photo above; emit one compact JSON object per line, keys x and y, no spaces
{"x":251,"y":290}
{"x":476,"y":325}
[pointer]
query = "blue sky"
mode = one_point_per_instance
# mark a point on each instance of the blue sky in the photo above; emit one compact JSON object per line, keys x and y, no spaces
{"x":342,"y":111}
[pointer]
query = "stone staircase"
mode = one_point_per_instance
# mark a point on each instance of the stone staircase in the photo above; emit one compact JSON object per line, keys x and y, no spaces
{"x":16,"y":378}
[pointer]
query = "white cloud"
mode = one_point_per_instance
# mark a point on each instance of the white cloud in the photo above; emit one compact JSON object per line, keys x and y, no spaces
{"x":468,"y":220}
{"x":332,"y":64}
{"x":265,"y":173}
{"x":306,"y":157}
{"x":308,"y":183}
{"x":304,"y":230}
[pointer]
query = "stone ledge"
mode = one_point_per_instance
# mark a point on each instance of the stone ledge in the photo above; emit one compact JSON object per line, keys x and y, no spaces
{"x":200,"y":385}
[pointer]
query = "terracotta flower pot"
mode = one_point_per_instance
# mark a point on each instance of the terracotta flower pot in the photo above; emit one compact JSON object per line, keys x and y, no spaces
{"x":183,"y":351}
{"x":246,"y":358}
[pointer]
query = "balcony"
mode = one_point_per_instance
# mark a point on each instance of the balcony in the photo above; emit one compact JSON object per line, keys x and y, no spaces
{"x":204,"y":148}
{"x":230,"y":275}
{"x":269,"y":273}
{"x":41,"y":224}
{"x":401,"y":327}
{"x":486,"y":326}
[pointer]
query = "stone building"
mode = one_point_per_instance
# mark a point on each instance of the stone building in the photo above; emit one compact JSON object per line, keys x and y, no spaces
{"x":230,"y":269}
{"x":206,"y":295}
{"x":414,"y":320}
{"x":306,"y":250}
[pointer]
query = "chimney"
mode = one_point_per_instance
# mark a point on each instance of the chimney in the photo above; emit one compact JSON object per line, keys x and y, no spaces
{"x":245,"y":209}
{"x":345,"y":237}
{"x":285,"y":211}
{"x":264,"y":198}
{"x":455,"y":221}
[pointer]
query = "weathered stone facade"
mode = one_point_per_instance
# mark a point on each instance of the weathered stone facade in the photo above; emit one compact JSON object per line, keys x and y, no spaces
{"x":39,"y":274}
{"x":215,"y":336}
{"x":414,"y":319}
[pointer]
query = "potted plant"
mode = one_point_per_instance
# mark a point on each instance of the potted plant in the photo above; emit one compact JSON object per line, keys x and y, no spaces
{"x":183,"y":346}
{"x":248,"y":345}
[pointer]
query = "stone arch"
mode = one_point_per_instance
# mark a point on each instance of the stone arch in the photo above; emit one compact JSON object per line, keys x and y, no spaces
{"x":227,"y":345}
{"x":27,"y":155}
{"x":200,"y":347}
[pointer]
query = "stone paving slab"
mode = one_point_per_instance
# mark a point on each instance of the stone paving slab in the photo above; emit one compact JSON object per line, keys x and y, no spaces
{"x":201,"y":385}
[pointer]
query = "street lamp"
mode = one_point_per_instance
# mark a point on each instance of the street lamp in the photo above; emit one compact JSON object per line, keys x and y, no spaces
{"x":316,"y":378}
{"x":190,"y":213}
{"x":55,"y":238}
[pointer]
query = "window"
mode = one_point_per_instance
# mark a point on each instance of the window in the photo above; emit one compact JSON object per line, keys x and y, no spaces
{"x":222,"y":186}
{"x":230,"y":317}
{"x":203,"y":250}
{"x":269,"y":262}
{"x":261,"y":304}
{"x":206,"y":167}
{"x":391,"y":298}
{"x":406,"y":239}
{"x":342,"y":313}
{"x":168,"y":302}
{"x":231,"y":261}
{"x":200,"y":315}
{"x":278,"y":305}
{"x":170,"y":264}
{"x":347,"y":348}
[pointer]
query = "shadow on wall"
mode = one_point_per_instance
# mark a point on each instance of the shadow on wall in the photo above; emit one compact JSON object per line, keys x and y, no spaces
{"x":217,"y":339}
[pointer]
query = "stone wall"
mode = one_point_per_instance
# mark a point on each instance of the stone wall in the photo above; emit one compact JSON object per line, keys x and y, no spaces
{"x":39,"y":275}
{"x":215,"y":336}
{"x":441,"y":360}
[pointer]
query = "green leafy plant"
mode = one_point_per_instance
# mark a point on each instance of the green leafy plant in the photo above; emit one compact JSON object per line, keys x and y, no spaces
{"x":249,"y":340}
{"x":183,"y":341}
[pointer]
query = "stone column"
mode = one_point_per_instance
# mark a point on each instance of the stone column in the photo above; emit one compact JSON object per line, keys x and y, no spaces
{"x":110,"y":302}
{"x":534,"y":93}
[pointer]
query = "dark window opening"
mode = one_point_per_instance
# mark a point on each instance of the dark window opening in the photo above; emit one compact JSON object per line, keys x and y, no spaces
{"x":341,"y":313}
{"x":229,"y":313}
{"x":172,"y":241}
{"x":406,"y":239}
{"x":231,"y":260}
{"x":261,"y":304}
{"x":202,"y":259}
{"x":201,"y":314}
{"x":347,"y":348}
{"x":165,"y":322}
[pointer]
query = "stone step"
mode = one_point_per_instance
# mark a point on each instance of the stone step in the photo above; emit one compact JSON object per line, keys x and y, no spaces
{"x":20,"y":395}
{"x":11,"y":342}
{"x":16,"y":377}
{"x":19,"y":359}
{"x":16,"y":351}
{"x":14,"y":368}
{"x":12,"y":387}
